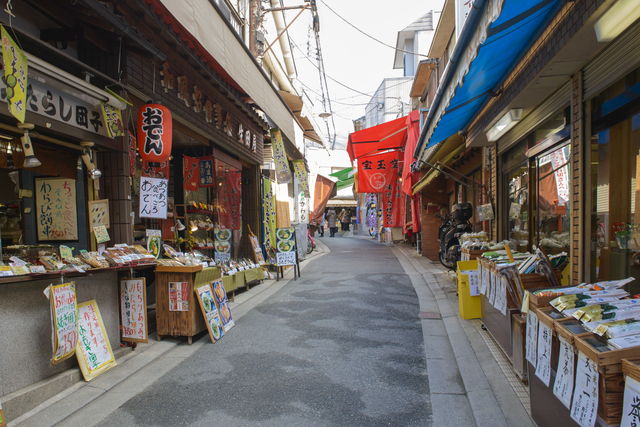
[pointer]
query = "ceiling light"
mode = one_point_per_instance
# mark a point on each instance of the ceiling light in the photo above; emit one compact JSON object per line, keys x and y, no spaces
{"x":505,"y":123}
{"x":30,"y":160}
{"x":616,"y":19}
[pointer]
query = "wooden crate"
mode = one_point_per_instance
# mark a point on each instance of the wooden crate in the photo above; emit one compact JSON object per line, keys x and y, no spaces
{"x":519,"y":340}
{"x":471,"y":255}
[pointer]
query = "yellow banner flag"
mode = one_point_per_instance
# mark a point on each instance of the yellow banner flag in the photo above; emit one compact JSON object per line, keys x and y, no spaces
{"x":113,"y":118}
{"x":15,"y":74}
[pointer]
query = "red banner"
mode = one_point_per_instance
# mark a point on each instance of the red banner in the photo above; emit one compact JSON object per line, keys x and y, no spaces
{"x":229,"y":199}
{"x":376,"y":171}
{"x":132,"y":153}
{"x":410,"y":169}
{"x":159,"y":172}
{"x":393,"y":205}
{"x":190,"y":173}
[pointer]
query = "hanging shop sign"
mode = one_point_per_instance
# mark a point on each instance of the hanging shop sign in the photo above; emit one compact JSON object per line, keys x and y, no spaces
{"x":301,"y":174}
{"x":15,"y":75}
{"x":112,"y":119}
{"x":269,"y":210}
{"x":131,"y":139}
{"x":376,"y":171}
{"x":154,"y":132}
{"x":153,"y":198}
{"x":206,"y":171}
{"x":56,"y":209}
{"x":283,"y":173}
{"x":393,"y":202}
{"x":190,"y":173}
{"x":229,"y":199}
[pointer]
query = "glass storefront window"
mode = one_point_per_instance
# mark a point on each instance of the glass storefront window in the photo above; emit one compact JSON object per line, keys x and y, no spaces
{"x":553,"y":202}
{"x":516,"y":182}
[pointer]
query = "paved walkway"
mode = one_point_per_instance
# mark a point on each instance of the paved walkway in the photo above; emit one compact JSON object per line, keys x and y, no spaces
{"x":463,"y":385}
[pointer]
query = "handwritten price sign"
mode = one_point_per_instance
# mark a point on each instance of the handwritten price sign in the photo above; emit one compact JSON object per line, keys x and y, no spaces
{"x":64,"y":315}
{"x":153,"y":197}
{"x":133,"y":309}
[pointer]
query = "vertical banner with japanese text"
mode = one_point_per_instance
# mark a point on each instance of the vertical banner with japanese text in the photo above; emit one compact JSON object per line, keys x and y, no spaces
{"x":283,"y":173}
{"x":190,"y":172}
{"x":153,"y":197}
{"x":269,"y":210}
{"x":393,"y":205}
{"x":376,"y":171}
{"x":131,"y":139}
{"x":301,"y":174}
{"x":112,"y":119}
{"x":15,"y":75}
{"x":206,"y":172}
{"x":230,"y":198}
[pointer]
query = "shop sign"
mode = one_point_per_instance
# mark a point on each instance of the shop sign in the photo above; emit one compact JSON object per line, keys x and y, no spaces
{"x":190,"y":172}
{"x":206,"y":299}
{"x":286,"y":246}
{"x":56,"y":105}
{"x":393,"y":205}
{"x":584,"y":407}
{"x":230,"y":198}
{"x":301,"y":174}
{"x":559,"y":164}
{"x":283,"y":173}
{"x":64,"y":316}
{"x":154,"y":132}
{"x":223,"y":305}
{"x":178,"y":296}
{"x":532,"y":338}
{"x":376,"y":171}
{"x":133,"y":303}
{"x":93,"y":345}
{"x":269,"y":210}
{"x":113,"y":120}
{"x":131,"y":139}
{"x":56,"y":209}
{"x":631,"y":403}
{"x":543,"y":367}
{"x":15,"y":75}
{"x":222,"y":248}
{"x":563,"y":387}
{"x":153,"y":197}
{"x":206,"y":171}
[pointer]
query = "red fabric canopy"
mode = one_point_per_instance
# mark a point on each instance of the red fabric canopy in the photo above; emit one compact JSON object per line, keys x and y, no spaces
{"x":385,"y":136}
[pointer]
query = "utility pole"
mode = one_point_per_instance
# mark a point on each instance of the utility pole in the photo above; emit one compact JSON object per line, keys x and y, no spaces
{"x":254,"y":11}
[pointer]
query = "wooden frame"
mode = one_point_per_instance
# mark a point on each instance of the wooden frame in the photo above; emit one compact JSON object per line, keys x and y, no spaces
{"x":99,"y":213}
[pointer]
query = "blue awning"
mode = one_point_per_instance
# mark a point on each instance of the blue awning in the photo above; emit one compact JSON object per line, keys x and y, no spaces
{"x":517,"y":25}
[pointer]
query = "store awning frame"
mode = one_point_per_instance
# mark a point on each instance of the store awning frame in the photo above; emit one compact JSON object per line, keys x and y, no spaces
{"x":495,"y":36}
{"x":385,"y":136}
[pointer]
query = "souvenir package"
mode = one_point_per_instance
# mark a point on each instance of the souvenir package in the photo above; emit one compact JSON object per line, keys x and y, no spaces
{"x":94,"y":259}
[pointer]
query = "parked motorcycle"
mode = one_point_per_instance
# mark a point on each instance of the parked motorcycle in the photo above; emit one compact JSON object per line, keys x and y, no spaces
{"x":453,"y":226}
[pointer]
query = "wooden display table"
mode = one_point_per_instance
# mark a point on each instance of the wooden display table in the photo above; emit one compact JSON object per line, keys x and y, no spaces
{"x":185,"y":321}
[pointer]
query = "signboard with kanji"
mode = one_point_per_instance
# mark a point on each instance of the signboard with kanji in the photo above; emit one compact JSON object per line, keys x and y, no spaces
{"x":56,"y":209}
{"x":93,"y":348}
{"x":376,"y":171}
{"x":64,"y":320}
{"x":206,"y":172}
{"x":133,"y":310}
{"x":286,"y":246}
{"x":153,"y":197}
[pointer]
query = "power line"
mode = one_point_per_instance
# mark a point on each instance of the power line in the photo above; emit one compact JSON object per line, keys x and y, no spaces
{"x":371,"y":37}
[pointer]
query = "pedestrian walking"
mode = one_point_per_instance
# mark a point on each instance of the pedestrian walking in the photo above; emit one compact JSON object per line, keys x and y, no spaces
{"x":321,"y":230}
{"x":331,"y":221}
{"x":345,"y":220}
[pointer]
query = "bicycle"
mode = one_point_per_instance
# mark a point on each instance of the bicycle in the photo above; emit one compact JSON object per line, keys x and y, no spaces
{"x":310,"y":243}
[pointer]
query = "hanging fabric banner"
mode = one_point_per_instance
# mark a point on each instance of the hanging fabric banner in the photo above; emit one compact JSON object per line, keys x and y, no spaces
{"x":392,"y":205}
{"x":15,"y":74}
{"x":230,"y":197}
{"x":301,"y":174}
{"x":283,"y":173}
{"x":190,"y":173}
{"x":113,"y":120}
{"x":131,"y":138}
{"x":415,"y":213}
{"x":323,"y":190}
{"x":206,"y":172}
{"x":376,"y":171}
{"x":269,"y":210}
{"x":410,"y":169}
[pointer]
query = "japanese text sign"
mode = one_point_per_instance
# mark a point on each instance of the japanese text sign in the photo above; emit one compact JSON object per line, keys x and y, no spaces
{"x":112,"y":119}
{"x":190,"y":172}
{"x":178,"y":296}
{"x":154,"y":132}
{"x":133,"y":310}
{"x":93,"y":349}
{"x":631,"y":403}
{"x":229,"y":197}
{"x":286,"y":246}
{"x":563,"y":387}
{"x":301,"y":174}
{"x":543,"y":367}
{"x":101,"y":233}
{"x":153,"y":197}
{"x":283,"y":173}
{"x":393,"y":205}
{"x":64,"y":319}
{"x":376,"y":171}
{"x":532,"y":338}
{"x":584,"y":407}
{"x":15,"y":75}
{"x":56,"y":209}
{"x":206,"y":172}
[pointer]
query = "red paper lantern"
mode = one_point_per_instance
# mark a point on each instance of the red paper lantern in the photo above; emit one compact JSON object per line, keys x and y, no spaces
{"x":154,"y":133}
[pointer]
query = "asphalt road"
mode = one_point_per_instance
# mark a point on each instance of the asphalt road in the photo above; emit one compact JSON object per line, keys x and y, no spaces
{"x":341,"y":346}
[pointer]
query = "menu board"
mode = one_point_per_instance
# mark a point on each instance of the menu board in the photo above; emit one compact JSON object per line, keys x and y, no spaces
{"x":93,"y":349}
{"x":153,"y":197}
{"x":223,"y":305}
{"x":222,"y":244}
{"x":56,"y":209}
{"x":133,"y":310}
{"x":285,"y":246}
{"x":178,"y":296}
{"x":210,"y":311}
{"x":99,"y":213}
{"x":257,"y":250}
{"x":154,"y":242}
{"x":64,"y":320}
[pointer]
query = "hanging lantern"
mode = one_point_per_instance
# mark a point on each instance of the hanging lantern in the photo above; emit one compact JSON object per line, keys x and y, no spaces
{"x":154,"y":133}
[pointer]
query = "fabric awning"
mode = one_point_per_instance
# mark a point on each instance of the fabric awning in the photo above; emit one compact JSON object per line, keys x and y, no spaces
{"x":492,"y":43}
{"x":310,"y":128}
{"x":385,"y":136}
{"x":342,"y":174}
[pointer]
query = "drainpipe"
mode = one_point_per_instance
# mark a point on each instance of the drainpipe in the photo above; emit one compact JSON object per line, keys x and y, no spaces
{"x":278,"y":18}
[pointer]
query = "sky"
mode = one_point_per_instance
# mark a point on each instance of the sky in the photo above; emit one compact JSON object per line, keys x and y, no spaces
{"x":350,"y":57}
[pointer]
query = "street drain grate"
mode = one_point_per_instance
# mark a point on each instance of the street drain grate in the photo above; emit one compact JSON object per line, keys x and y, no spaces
{"x":430,"y":315}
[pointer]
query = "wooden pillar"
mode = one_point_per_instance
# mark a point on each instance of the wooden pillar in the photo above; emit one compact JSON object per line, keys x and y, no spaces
{"x":580,"y":234}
